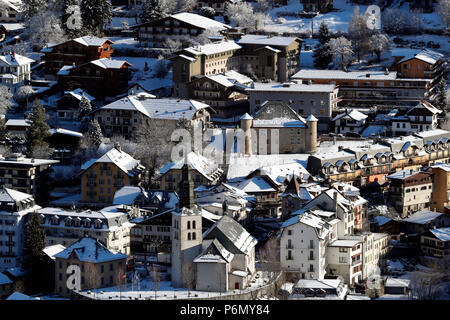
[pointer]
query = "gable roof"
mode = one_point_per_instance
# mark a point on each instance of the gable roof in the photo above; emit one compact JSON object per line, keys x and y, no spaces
{"x":90,"y":250}
{"x":353,"y":114}
{"x":442,"y":234}
{"x":15,"y":59}
{"x":428,"y":56}
{"x":8,"y":195}
{"x":213,"y":48}
{"x":121,"y":159}
{"x":215,"y":252}
{"x":193,"y":19}
{"x":106,"y":63}
{"x":267,"y":40}
{"x":423,"y":217}
{"x":92,"y":41}
{"x":231,"y":235}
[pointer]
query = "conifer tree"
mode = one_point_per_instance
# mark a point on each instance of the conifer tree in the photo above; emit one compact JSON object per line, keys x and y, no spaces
{"x":33,"y":261}
{"x":94,"y":133}
{"x":441,"y":96}
{"x":96,"y":14}
{"x":322,"y":54}
{"x":32,"y":7}
{"x":84,"y":107}
{"x":151,"y":10}
{"x":39,"y":129}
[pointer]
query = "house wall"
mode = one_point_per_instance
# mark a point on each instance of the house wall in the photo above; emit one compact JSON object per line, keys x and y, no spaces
{"x":344,"y":263}
{"x":212,"y":277}
{"x":440,"y":195}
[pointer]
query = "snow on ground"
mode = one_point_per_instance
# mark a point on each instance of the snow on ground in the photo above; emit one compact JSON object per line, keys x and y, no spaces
{"x":145,"y":291}
{"x":306,"y":56}
{"x":116,"y":22}
{"x":121,"y":42}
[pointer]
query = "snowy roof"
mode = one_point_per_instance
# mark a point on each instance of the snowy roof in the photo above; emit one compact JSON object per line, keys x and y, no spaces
{"x":15,"y":59}
{"x":200,"y":21}
{"x":27,"y":161}
{"x":381,"y":220}
{"x":424,"y":104}
{"x":213,"y":48}
{"x":311,"y":118}
{"x":18,"y":122}
{"x":221,"y":79}
{"x":51,"y":251}
{"x":65,"y":70}
{"x":78,"y":93}
{"x":422,"y":217}
{"x":267,"y":40}
{"x":318,"y":284}
{"x":164,"y":108}
{"x":91,"y":41}
{"x":90,"y":250}
{"x":426,"y":55}
{"x":442,"y":233}
{"x":278,"y":122}
{"x":443,"y":166}
{"x":238,"y":77}
{"x":292,"y":87}
{"x":246,"y":116}
{"x":343,"y":75}
{"x":278,"y":173}
{"x":106,"y":63}
{"x":8,"y":195}
{"x":353,"y":114}
{"x":344,"y":243}
{"x":395,"y":282}
{"x":203,"y":165}
{"x":20,"y":296}
{"x":120,"y":158}
{"x":232,"y":235}
{"x":402,"y":174}
{"x":215,"y":252}
{"x":126,"y":195}
{"x":4,"y":279}
{"x":66,"y":132}
{"x":254,"y":185}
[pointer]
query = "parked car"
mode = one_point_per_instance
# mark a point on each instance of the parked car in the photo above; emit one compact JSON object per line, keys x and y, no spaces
{"x":353,"y":135}
{"x":436,"y":45}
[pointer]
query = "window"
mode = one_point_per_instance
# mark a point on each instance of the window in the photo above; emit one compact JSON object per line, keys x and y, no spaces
{"x":102,"y":269}
{"x":193,"y":235}
{"x":193,"y":224}
{"x":189,"y":236}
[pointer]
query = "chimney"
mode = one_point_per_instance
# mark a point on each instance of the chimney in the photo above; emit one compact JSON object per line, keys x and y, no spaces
{"x":404,"y":174}
{"x":335,"y":195}
{"x":118,"y":147}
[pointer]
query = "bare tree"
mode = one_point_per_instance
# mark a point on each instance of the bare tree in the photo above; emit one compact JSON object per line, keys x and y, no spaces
{"x":189,"y":276}
{"x":342,"y":51}
{"x":41,"y":151}
{"x":156,"y":277}
{"x":5,"y":101}
{"x":444,"y":11}
{"x":269,"y":257}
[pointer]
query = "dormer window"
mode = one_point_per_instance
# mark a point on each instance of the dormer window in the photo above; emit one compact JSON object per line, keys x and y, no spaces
{"x":87,"y":223}
{"x":98,"y":224}
{"x":55,"y":220}
{"x":69,"y":221}
{"x":77,"y":222}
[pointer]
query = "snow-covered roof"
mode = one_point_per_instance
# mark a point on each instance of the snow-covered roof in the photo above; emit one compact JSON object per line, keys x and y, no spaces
{"x":402,"y":174}
{"x":65,"y":70}
{"x":291,"y":87}
{"x":426,"y":105}
{"x":51,"y":251}
{"x":120,"y":158}
{"x":428,"y":56}
{"x":163,"y":108}
{"x":206,"y":167}
{"x":18,"y":122}
{"x":318,"y":284}
{"x":442,"y":233}
{"x":238,"y":77}
{"x":344,"y":75}
{"x":381,"y":220}
{"x":78,"y":93}
{"x":215,"y":252}
{"x":66,"y":132}
{"x":200,"y":21}
{"x":90,"y":250}
{"x":91,"y":41}
{"x":344,"y":243}
{"x":254,"y":185}
{"x":213,"y":48}
{"x":126,"y":195}
{"x":395,"y":282}
{"x":277,"y":123}
{"x":11,"y":195}
{"x":423,"y":217}
{"x":20,"y":296}
{"x":353,"y":114}
{"x":221,"y":79}
{"x":311,"y":220}
{"x":15,"y":59}
{"x":27,"y":161}
{"x":246,"y":116}
{"x":4,"y":279}
{"x":106,"y":63}
{"x":267,"y":40}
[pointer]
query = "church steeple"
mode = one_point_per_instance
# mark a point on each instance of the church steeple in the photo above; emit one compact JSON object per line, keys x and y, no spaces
{"x":187,"y":187}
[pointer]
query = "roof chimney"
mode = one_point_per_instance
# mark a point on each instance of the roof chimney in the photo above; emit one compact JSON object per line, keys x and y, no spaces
{"x":118,"y":147}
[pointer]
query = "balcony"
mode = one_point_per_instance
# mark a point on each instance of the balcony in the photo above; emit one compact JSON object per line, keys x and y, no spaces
{"x":311,"y":246}
{"x":355,"y":262}
{"x":311,"y":258}
{"x":289,"y":246}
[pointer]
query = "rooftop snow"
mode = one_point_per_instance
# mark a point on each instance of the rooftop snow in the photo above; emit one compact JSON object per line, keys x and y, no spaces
{"x":8,"y":195}
{"x":18,"y":122}
{"x":402,"y":174}
{"x":4,"y":279}
{"x":121,"y":159}
{"x":15,"y":60}
{"x":426,"y":55}
{"x":442,"y":233}
{"x":106,"y":63}
{"x":291,"y":86}
{"x":395,"y":282}
{"x":344,"y":243}
{"x":126,"y":195}
{"x":213,"y":48}
{"x":91,"y":41}
{"x":353,"y":114}
{"x":254,"y":185}
{"x":66,"y":132}
{"x":198,"y":162}
{"x":200,"y":21}
{"x":422,"y":217}
{"x":343,"y":75}
{"x":51,"y":251}
{"x":78,"y":93}
{"x":266,"y":40}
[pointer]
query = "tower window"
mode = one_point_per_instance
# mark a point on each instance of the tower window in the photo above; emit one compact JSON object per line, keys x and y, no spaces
{"x":189,"y":236}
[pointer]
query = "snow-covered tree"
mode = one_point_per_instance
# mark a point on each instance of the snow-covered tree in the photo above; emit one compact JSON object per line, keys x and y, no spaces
{"x":359,"y":33}
{"x":378,"y":43}
{"x":207,"y":12}
{"x":444,"y":11}
{"x":5,"y":100}
{"x":84,"y":107}
{"x":322,"y":53}
{"x":264,"y":5}
{"x":156,"y":9}
{"x":397,"y":21}
{"x":161,"y":68}
{"x":94,"y":133}
{"x":441,"y":101}
{"x":342,"y":51}
{"x":31,"y":7}
{"x":96,"y":14}
{"x":44,"y":28}
{"x":242,"y":14}
{"x":187,"y":5}
{"x":172,"y":45}
{"x":23,"y":94}
{"x":203,"y":38}
{"x":39,"y":129}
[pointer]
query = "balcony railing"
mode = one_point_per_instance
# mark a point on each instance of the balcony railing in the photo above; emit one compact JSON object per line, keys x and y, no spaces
{"x":289,"y":246}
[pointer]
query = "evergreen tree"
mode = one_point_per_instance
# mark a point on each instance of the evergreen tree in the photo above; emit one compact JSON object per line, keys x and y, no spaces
{"x":151,"y":10}
{"x":39,"y":129}
{"x":2,"y":131}
{"x":71,"y":19}
{"x":96,"y":14}
{"x":84,"y":108}
{"x":33,"y":261}
{"x":94,"y":133}
{"x":322,"y":54}
{"x":441,"y":96}
{"x":32,"y":7}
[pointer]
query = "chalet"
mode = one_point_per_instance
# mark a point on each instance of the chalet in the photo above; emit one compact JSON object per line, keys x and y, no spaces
{"x":15,"y":70}
{"x":75,"y":52}
{"x":102,"y":78}
{"x":17,"y":127}
{"x":435,"y":242}
{"x":349,"y":121}
{"x":64,"y":143}
{"x":68,"y":105}
{"x":422,"y":117}
{"x":102,"y":177}
{"x":10,"y":9}
{"x":180,"y":26}
{"x":426,"y":64}
{"x":424,"y":220}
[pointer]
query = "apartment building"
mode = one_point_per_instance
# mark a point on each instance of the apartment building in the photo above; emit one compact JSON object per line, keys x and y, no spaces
{"x":27,"y":175}
{"x":440,"y":197}
{"x":178,"y":27}
{"x":102,"y":177}
{"x":410,"y":191}
{"x":110,"y":226}
{"x":15,"y":70}
{"x":99,"y":267}
{"x":267,"y":57}
{"x":366,"y":88}
{"x":15,"y":206}
{"x":345,"y":258}
{"x":103,"y":78}
{"x":10,"y":9}
{"x":206,"y":60}
{"x":422,"y":117}
{"x":306,"y":99}
{"x":435,"y":243}
{"x":75,"y":52}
